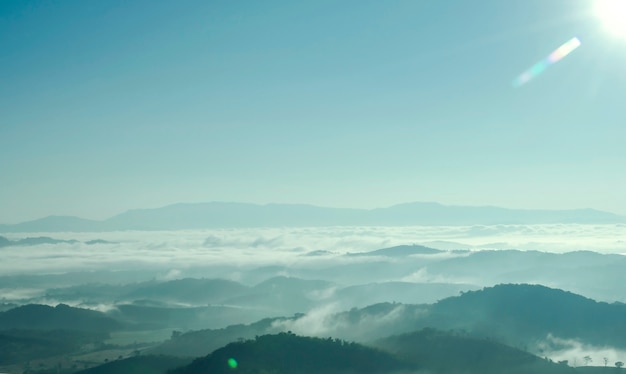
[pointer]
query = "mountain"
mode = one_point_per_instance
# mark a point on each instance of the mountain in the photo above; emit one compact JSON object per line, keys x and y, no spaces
{"x":148,"y":315}
{"x":241,"y":215}
{"x":438,"y":214}
{"x":283,"y":295}
{"x":402,"y":292}
{"x":188,"y":290}
{"x":61,"y":317}
{"x":518,"y":315}
{"x":527,"y":313}
{"x":446,"y":352}
{"x":426,"y":351}
{"x":584,"y":272}
{"x":288,"y":353}
{"x":400,"y":251}
{"x":202,"y":342}
{"x":4,"y":242}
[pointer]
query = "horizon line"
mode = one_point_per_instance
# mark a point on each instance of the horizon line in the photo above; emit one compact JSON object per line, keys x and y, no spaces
{"x":311,"y":205}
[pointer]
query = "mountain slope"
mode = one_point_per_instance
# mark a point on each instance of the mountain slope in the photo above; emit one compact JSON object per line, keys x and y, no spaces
{"x":188,"y":290}
{"x":521,"y":316}
{"x":442,"y":352}
{"x":531,"y":312}
{"x":288,"y":353}
{"x":399,"y":251}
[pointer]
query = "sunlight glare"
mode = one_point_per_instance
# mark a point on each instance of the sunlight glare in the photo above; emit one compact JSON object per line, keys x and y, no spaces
{"x":612,"y":15}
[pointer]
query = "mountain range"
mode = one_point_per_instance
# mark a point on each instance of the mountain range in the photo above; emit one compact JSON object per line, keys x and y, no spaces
{"x":519,"y":315}
{"x":243,"y":215}
{"x":505,"y":328}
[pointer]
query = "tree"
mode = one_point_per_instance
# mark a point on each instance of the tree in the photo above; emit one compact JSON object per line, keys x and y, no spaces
{"x":587,"y":360}
{"x":619,"y":364}
{"x":606,"y":361}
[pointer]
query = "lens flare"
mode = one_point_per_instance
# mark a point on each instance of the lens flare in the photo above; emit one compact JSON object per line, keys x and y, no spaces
{"x":552,"y":58}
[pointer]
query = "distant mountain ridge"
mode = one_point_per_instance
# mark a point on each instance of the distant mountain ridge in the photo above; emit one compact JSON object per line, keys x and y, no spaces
{"x":4,"y":242}
{"x":242,"y":215}
{"x":399,"y":251}
{"x":61,"y":317}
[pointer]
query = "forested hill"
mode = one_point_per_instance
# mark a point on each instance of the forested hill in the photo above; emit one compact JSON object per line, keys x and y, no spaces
{"x":446,"y":352}
{"x":61,"y":317}
{"x":426,"y":351}
{"x":287,"y":353}
{"x":513,"y":313}
{"x":518,"y":315}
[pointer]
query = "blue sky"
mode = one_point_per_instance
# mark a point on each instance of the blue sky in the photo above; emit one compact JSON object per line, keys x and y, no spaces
{"x":112,"y":105}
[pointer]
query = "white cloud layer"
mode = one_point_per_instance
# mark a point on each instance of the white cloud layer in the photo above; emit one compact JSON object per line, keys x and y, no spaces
{"x":575,"y":352}
{"x":286,"y":246}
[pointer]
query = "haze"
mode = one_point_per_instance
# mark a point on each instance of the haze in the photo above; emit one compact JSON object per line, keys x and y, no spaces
{"x":112,"y":106}
{"x":323,"y":186}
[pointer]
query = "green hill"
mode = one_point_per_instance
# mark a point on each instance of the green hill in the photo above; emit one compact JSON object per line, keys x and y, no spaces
{"x":444,"y":352}
{"x":61,"y":317}
{"x":287,"y":353}
{"x":399,"y":251}
{"x":202,"y":342}
{"x":522,"y":314}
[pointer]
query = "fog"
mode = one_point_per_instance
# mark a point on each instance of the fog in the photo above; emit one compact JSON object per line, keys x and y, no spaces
{"x":354,"y":283}
{"x":174,"y":251}
{"x":575,"y":351}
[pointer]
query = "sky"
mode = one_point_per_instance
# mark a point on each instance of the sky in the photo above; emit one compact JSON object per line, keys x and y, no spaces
{"x":113,"y":105}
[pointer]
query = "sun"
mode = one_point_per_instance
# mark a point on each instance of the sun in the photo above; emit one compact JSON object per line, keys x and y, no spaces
{"x":612,"y":15}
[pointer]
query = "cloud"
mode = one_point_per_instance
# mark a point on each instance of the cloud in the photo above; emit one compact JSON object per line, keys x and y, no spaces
{"x":329,"y":320}
{"x":323,"y":294}
{"x":212,"y":242}
{"x":422,"y":276}
{"x":317,"y":322}
{"x":574,"y":352}
{"x":268,"y":243}
{"x":228,"y":250}
{"x":18,"y":294}
{"x":172,"y":274}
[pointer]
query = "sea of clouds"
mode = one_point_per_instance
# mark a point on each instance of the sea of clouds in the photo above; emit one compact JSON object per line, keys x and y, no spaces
{"x":177,"y":250}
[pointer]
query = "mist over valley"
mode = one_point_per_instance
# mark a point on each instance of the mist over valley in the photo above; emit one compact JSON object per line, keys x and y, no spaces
{"x":509,"y":290}
{"x":312,"y":187}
